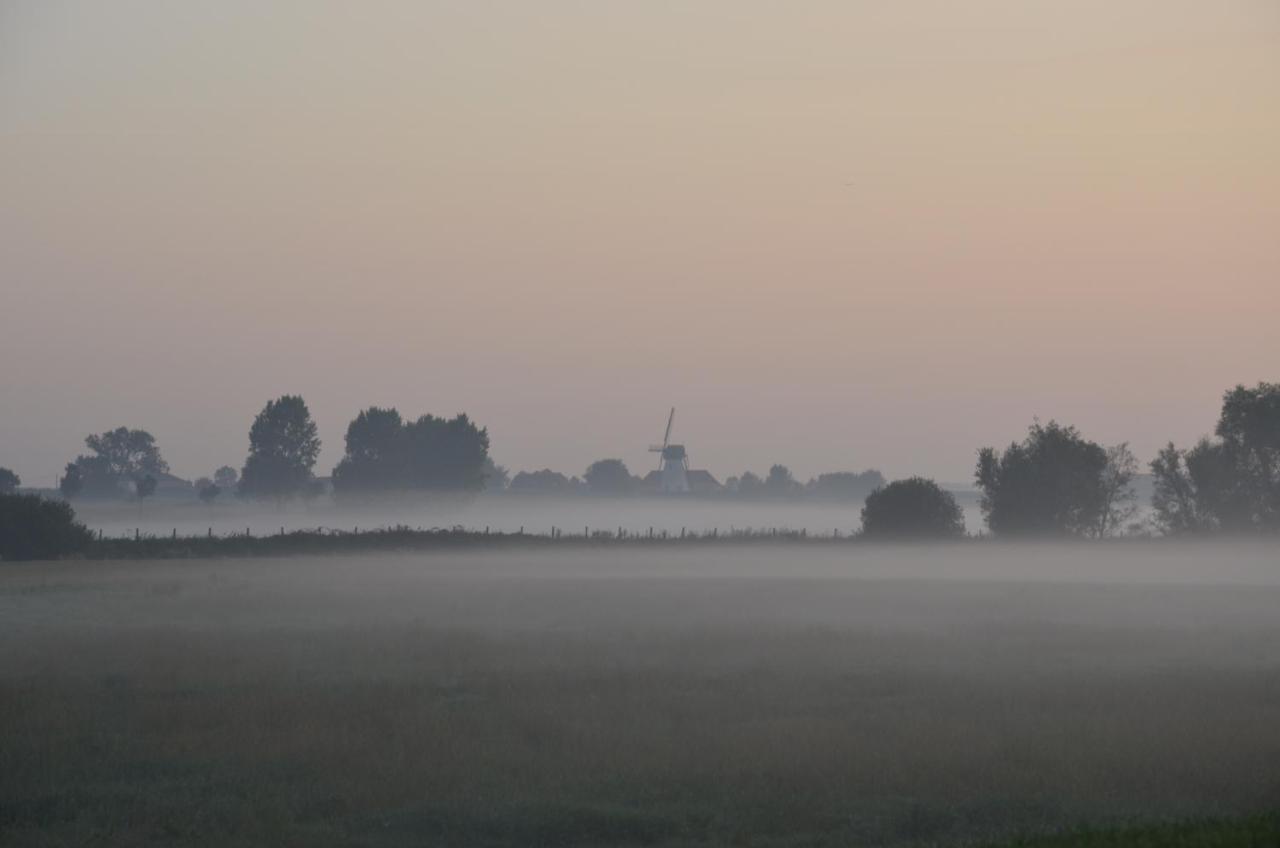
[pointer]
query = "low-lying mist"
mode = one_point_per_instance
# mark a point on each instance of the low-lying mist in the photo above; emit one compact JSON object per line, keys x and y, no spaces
{"x":501,"y":513}
{"x":777,"y":694}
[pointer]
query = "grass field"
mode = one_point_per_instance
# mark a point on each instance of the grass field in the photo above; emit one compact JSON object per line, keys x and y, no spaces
{"x":775,"y":697}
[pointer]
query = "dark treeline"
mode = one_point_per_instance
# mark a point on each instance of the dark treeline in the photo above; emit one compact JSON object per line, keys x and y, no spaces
{"x":1054,"y":483}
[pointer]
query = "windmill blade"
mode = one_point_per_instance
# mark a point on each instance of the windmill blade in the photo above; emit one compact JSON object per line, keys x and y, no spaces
{"x":666,"y":437}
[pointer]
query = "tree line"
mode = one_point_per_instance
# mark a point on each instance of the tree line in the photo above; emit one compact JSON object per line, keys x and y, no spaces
{"x":1053,"y":483}
{"x":383,"y":453}
{"x":1056,"y":483}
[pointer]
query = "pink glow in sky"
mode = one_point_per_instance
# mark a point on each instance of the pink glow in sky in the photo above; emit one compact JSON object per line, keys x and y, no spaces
{"x":833,"y":234}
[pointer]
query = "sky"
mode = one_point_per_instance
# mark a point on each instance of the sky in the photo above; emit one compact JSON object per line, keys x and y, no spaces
{"x":835,"y":235}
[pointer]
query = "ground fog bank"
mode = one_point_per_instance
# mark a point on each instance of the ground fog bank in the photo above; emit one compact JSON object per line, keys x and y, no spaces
{"x":759,"y":695}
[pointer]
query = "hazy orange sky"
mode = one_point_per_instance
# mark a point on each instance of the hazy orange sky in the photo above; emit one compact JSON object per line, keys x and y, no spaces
{"x":833,"y":234}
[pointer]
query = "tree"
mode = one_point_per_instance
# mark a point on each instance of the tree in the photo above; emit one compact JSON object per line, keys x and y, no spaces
{"x":844,"y":485}
{"x":750,"y":485}
{"x":496,"y":477}
{"x":128,"y":453}
{"x":1229,"y":484}
{"x":283,"y":447}
{"x":1177,"y":497}
{"x":446,"y":454}
{"x":34,"y":528}
{"x":119,"y":458}
{"x":544,"y":482}
{"x":225,"y":478}
{"x":1249,"y":426}
{"x":144,"y":487}
{"x":914,"y":508}
{"x":376,"y":457}
{"x":780,"y":482}
{"x":207,"y":490}
{"x":72,"y":483}
{"x":610,"y":477}
{"x":1119,"y":499}
{"x":385,"y":453}
{"x":9,"y":481}
{"x":1050,"y":484}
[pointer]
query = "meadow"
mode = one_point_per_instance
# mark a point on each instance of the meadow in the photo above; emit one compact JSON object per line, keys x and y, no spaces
{"x":755,"y":695}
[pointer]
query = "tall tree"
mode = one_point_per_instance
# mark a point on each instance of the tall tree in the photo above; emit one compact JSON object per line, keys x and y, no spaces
{"x":780,"y":482}
{"x":610,"y":477}
{"x":496,"y":477}
{"x":72,"y":482}
{"x":119,"y":458}
{"x":283,"y":446}
{"x":1178,"y":498}
{"x":1050,"y":484}
{"x":1119,"y":499}
{"x":385,"y":453}
{"x":376,"y":456}
{"x":9,"y":481}
{"x":128,"y":453}
{"x":1249,"y":426}
{"x":144,"y":487}
{"x":1231,"y":483}
{"x":226,"y":477}
{"x":447,"y":454}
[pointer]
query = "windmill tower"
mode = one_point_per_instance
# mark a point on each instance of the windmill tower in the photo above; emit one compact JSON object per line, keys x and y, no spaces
{"x":673,"y":462}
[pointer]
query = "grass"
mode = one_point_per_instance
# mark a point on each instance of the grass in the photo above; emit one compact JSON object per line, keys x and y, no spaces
{"x":402,"y":701}
{"x":403,"y":538}
{"x":1253,"y":832}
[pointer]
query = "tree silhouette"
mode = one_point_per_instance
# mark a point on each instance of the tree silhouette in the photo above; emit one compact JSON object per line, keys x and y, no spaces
{"x":780,"y":483}
{"x":1049,"y":484}
{"x":844,"y":485}
{"x":9,"y":481}
{"x":34,"y":528}
{"x":119,"y":458}
{"x":207,"y":490}
{"x":72,"y":483}
{"x":609,"y":477}
{"x":385,"y":453}
{"x":225,"y":478}
{"x":1229,"y":484}
{"x":914,"y":508}
{"x":544,"y":482}
{"x":283,"y":447}
{"x":144,"y":487}
{"x":1119,"y":500}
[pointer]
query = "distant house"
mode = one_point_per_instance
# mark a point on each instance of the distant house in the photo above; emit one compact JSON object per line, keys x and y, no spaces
{"x":700,"y":483}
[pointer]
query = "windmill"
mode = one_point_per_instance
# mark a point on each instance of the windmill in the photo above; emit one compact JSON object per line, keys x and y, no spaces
{"x":673,"y":462}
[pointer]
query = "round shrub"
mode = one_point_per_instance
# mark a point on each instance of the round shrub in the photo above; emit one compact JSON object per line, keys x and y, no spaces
{"x":34,"y":528}
{"x":914,"y":508}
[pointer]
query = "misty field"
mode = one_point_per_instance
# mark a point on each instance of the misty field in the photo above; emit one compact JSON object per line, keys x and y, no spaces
{"x":744,"y":696}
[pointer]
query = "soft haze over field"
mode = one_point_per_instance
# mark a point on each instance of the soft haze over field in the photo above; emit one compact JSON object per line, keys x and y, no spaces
{"x":833,"y":234}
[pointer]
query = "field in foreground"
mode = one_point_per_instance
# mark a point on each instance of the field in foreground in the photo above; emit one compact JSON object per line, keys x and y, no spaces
{"x":657,"y":698}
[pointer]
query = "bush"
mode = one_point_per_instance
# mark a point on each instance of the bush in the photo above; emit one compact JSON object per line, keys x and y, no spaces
{"x":34,"y":528}
{"x":914,"y":508}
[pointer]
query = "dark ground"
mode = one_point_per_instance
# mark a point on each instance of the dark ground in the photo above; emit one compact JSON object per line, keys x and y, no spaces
{"x":509,"y":699}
